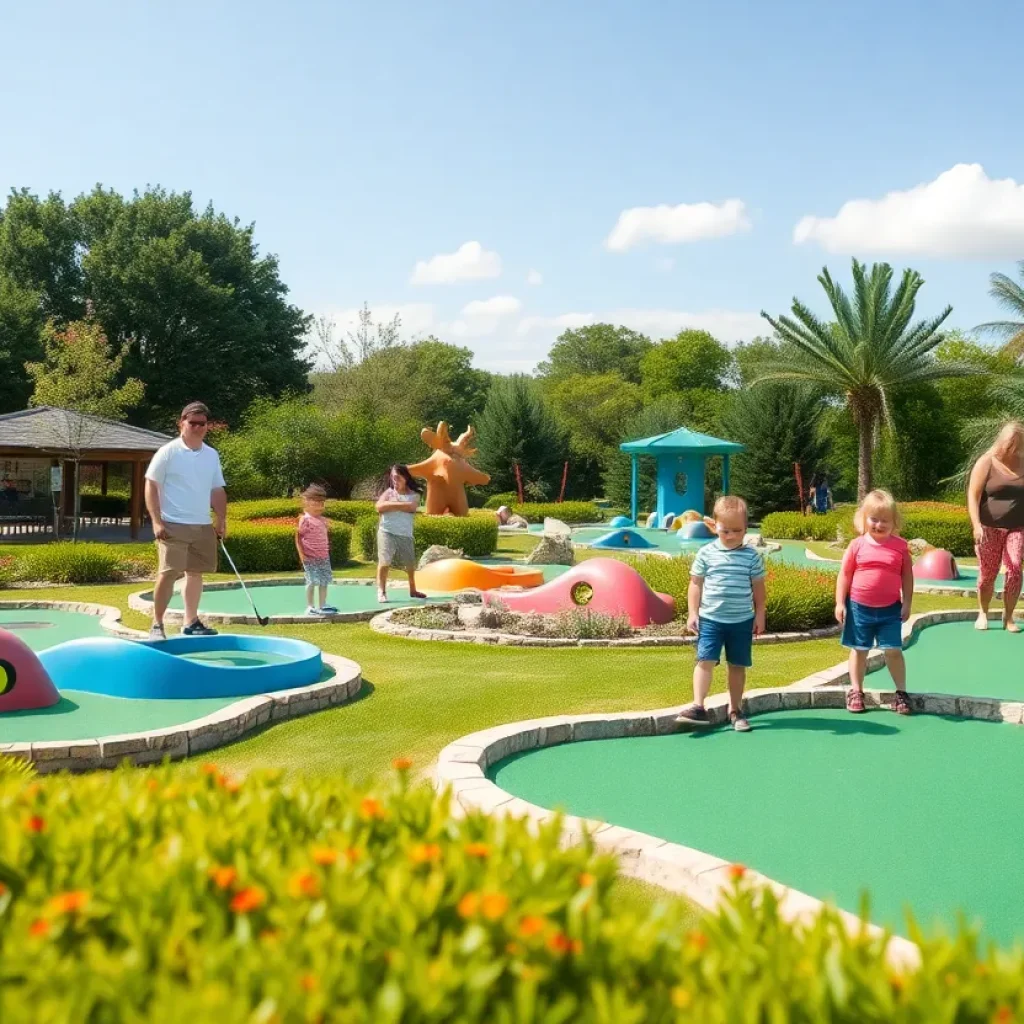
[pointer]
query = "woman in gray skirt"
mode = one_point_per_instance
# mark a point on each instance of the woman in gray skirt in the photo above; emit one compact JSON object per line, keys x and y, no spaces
{"x":397,"y":506}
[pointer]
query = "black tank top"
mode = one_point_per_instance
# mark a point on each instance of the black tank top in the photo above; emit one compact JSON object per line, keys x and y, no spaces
{"x":1002,"y":501}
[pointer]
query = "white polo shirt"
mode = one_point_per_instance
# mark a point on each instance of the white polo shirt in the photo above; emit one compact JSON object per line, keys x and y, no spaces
{"x":186,"y":478}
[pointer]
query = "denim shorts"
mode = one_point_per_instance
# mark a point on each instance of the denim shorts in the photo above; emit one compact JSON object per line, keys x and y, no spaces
{"x":865,"y":626}
{"x":736,"y":637}
{"x":318,"y":572}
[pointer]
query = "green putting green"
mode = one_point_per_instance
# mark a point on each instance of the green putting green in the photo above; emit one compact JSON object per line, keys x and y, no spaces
{"x":238,"y":659}
{"x":45,"y":627}
{"x":920,"y":811}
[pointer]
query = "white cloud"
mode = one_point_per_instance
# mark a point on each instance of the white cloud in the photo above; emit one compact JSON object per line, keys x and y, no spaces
{"x":665,"y":264}
{"x":483,"y":316}
{"x":726,"y":325}
{"x":534,"y":277}
{"x":670,"y":225}
{"x":470,"y":262}
{"x":962,"y":213}
{"x":500,"y":305}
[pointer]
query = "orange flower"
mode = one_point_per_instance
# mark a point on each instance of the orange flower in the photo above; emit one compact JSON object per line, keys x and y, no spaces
{"x":303,"y":883}
{"x":513,"y":948}
{"x":1004,"y":1015}
{"x":560,"y":943}
{"x":493,"y":905}
{"x":152,"y":785}
{"x":224,"y":877}
{"x":228,"y":784}
{"x":371,"y":808}
{"x":308,"y":982}
{"x":209,"y":768}
{"x":3,"y":888}
{"x":31,"y":791}
{"x":425,"y":853}
{"x":353,"y":855}
{"x":324,"y":855}
{"x":480,"y":850}
{"x":586,"y":880}
{"x":697,"y":939}
{"x":402,"y":764}
{"x":469,"y":905}
{"x":531,"y":925}
{"x":69,"y":902}
{"x":737,"y":871}
{"x":248,"y":899}
{"x":39,"y":928}
{"x":36,"y":824}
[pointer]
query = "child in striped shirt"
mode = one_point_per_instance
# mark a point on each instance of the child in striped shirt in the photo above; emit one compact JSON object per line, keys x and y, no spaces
{"x":726,"y":603}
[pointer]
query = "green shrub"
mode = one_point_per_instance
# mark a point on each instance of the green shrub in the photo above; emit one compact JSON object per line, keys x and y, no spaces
{"x":184,"y":895}
{"x":67,"y":562}
{"x":794,"y":526}
{"x":257,"y":548}
{"x":278,"y":508}
{"x":495,"y":501}
{"x":8,"y":570}
{"x":950,"y":530}
{"x":567,"y":511}
{"x":580,"y":624}
{"x":475,"y":535}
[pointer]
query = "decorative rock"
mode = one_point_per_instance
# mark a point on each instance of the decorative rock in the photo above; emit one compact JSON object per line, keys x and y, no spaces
{"x":518,"y":521}
{"x":435,"y":553}
{"x":556,"y":528}
{"x":755,"y":540}
{"x":552,"y":551}
{"x":918,"y":546}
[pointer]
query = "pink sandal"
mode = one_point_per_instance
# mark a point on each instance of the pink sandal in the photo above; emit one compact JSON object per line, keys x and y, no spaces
{"x":855,"y":701}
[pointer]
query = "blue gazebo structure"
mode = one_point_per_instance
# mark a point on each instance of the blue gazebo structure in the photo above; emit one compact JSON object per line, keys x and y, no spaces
{"x":681,"y":456}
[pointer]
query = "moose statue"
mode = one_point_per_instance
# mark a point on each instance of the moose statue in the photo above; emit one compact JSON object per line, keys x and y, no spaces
{"x":447,"y":471}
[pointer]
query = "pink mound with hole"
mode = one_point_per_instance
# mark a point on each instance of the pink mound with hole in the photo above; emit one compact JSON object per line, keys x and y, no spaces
{"x":24,"y":683}
{"x":936,"y":564}
{"x":602,"y":585}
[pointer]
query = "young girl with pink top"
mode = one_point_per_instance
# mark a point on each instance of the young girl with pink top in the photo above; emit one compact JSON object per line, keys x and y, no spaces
{"x":313,"y":542}
{"x":873,"y":596}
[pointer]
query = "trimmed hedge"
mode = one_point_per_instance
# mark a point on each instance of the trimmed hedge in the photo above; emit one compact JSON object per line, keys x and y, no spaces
{"x":476,"y":535}
{"x":495,"y":501}
{"x":67,"y":562}
{"x":567,"y":511}
{"x":272,"y":548}
{"x":794,"y":526}
{"x":797,"y":599}
{"x":185,"y":895}
{"x":274,"y":508}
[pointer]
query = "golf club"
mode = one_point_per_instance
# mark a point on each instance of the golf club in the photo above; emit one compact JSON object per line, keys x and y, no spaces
{"x":261,"y":619}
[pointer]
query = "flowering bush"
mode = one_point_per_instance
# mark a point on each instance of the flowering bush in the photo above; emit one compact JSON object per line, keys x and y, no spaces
{"x":184,"y":895}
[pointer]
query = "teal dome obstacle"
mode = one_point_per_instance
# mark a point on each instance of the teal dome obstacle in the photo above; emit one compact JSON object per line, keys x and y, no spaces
{"x":681,"y":457}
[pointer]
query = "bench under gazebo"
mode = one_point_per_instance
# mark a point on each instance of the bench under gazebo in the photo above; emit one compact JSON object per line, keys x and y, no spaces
{"x":39,"y":449}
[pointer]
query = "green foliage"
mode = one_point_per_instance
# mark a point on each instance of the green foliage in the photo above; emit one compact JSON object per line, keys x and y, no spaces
{"x":284,"y":447}
{"x":795,"y":526}
{"x":518,"y":427}
{"x":21,"y":326}
{"x":691,"y":360}
{"x":581,"y":624}
{"x":8,"y":571}
{"x":78,"y":372}
{"x":105,"y":506}
{"x":15,"y":768}
{"x":67,"y":562}
{"x":277,"y":508}
{"x":267,"y":548}
{"x":495,"y":501}
{"x":567,"y":511}
{"x":942,"y":529}
{"x":596,"y":349}
{"x":475,"y":535}
{"x":1010,"y":296}
{"x":779,"y":426}
{"x":188,"y":895}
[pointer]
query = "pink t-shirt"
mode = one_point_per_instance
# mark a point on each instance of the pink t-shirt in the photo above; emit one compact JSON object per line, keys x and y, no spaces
{"x":313,"y":538}
{"x":876,"y":570}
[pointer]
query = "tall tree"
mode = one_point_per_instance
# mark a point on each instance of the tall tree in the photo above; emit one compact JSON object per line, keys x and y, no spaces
{"x":594,"y":349}
{"x":516,"y":427}
{"x":1010,"y":295}
{"x":868,"y":354}
{"x":692,"y":359}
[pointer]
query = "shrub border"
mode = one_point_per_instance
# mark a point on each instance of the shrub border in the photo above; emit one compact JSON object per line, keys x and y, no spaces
{"x":185,"y":739}
{"x":702,"y":877}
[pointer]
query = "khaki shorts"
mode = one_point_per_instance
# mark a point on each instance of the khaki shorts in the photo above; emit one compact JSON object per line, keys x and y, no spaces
{"x":187,"y":548}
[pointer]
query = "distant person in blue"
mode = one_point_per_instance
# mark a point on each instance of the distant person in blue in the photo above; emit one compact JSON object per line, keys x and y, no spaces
{"x":820,"y":497}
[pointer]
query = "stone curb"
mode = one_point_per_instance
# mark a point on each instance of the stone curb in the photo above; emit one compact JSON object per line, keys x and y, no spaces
{"x":381,"y":623}
{"x":702,"y":877}
{"x":190,"y":738}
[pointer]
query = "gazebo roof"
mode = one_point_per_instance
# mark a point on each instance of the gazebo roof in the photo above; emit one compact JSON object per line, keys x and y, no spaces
{"x":681,"y":442}
{"x":48,"y":429}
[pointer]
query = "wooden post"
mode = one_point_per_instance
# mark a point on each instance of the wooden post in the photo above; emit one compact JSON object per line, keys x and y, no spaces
{"x":565,"y":477}
{"x":136,"y":500}
{"x":103,"y":477}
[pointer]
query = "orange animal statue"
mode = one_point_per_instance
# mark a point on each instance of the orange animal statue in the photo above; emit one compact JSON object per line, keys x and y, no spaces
{"x":447,"y":471}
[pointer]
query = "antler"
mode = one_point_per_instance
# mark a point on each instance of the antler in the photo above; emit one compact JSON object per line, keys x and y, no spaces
{"x":462,"y":445}
{"x":439,"y":440}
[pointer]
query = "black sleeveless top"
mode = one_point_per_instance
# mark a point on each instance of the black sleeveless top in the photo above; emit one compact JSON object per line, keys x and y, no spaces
{"x":1002,"y":500}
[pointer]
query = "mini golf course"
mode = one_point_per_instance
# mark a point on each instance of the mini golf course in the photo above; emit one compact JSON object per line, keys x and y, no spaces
{"x":46,"y":627}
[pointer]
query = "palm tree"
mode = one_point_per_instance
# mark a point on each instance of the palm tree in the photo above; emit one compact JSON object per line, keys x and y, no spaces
{"x":1010,"y":296}
{"x":870,"y":352}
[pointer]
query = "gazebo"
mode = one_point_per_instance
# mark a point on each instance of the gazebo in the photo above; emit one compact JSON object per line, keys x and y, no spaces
{"x":681,"y":456}
{"x":39,"y":447}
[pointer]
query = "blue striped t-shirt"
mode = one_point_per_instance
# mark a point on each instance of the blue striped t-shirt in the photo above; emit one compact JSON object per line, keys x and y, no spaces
{"x":728,"y":594}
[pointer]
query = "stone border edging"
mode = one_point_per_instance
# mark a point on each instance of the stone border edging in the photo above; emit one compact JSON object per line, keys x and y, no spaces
{"x":382,"y":623}
{"x":704,"y":878}
{"x":109,"y":616}
{"x":190,"y":738}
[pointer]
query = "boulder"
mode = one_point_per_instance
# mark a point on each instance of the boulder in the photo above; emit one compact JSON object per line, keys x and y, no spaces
{"x":552,"y":551}
{"x":556,"y":528}
{"x":435,"y":553}
{"x":519,"y":522}
{"x":755,"y":540}
{"x":918,"y":546}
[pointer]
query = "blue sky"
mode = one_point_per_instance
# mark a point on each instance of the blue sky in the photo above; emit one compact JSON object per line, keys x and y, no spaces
{"x":366,"y":138}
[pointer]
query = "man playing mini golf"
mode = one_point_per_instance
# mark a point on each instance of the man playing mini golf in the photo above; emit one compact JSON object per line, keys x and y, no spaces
{"x":183,"y":482}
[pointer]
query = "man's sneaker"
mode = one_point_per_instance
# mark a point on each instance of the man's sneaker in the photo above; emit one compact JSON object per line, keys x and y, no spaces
{"x":156,"y":633}
{"x":739,"y":723}
{"x":382,"y":597}
{"x":198,"y":629}
{"x":314,"y":612}
{"x":693,"y":714}
{"x":329,"y":609}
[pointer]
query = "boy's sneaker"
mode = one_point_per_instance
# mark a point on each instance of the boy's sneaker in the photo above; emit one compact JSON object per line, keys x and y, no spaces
{"x":693,"y":714}
{"x":198,"y":629}
{"x":314,"y":612}
{"x":739,"y":723}
{"x":156,"y":632}
{"x":854,"y":700}
{"x":901,"y":703}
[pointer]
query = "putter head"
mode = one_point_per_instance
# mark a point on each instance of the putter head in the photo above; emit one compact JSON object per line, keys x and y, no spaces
{"x":263,"y":620}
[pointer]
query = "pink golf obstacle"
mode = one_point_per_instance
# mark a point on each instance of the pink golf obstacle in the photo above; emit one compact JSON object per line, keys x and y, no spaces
{"x":24,"y":683}
{"x":936,"y":564}
{"x":600,"y":585}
